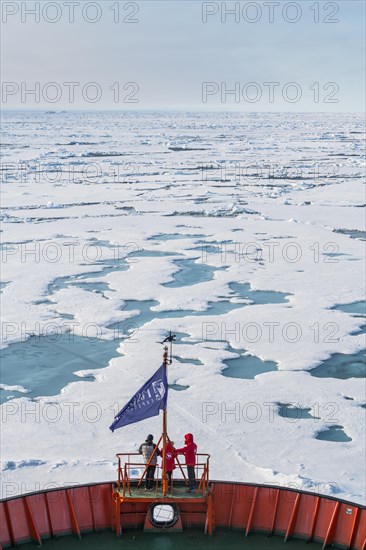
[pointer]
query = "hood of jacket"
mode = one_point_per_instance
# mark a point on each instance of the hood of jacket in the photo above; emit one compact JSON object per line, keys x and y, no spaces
{"x":188,"y":438}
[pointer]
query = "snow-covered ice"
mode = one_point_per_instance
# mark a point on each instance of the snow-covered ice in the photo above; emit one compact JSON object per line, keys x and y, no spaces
{"x":242,"y":233}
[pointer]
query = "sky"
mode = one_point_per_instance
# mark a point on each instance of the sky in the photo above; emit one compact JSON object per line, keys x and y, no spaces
{"x":183,"y":55}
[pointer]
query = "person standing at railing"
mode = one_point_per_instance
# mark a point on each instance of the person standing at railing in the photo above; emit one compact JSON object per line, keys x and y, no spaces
{"x":171,"y":455}
{"x":147,"y":450}
{"x":189,"y":451}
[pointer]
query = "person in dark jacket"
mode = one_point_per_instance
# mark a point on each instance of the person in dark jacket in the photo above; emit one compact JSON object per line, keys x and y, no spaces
{"x":171,"y":455}
{"x":146,"y":450}
{"x":189,"y":451}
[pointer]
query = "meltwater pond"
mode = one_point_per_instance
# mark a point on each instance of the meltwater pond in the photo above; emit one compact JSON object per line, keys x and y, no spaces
{"x":245,"y":291}
{"x":333,"y":433}
{"x":342,"y":366}
{"x":191,"y":273}
{"x":143,"y":314}
{"x":247,"y":366}
{"x":81,"y":281}
{"x":357,"y":309}
{"x":293,"y":412}
{"x":178,"y":387}
{"x":147,"y":253}
{"x":44,"y":365}
{"x":175,"y":236}
{"x":353,"y":233}
{"x":188,"y":361}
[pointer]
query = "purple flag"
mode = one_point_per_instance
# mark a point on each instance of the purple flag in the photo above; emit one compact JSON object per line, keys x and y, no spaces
{"x":146,"y":402}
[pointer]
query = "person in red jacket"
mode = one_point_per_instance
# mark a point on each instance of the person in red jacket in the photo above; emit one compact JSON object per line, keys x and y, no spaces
{"x":189,"y":451}
{"x":171,"y":455}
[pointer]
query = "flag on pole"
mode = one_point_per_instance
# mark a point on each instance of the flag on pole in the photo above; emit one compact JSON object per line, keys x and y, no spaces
{"x":146,"y":402}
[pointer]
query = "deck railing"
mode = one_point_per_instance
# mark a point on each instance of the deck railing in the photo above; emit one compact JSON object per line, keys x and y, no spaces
{"x":131,"y":468}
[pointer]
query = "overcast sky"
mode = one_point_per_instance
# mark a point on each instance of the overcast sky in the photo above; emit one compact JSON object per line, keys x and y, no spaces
{"x":273,"y":56}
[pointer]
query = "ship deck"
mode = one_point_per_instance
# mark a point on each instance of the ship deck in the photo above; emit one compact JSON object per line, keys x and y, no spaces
{"x":174,"y":541}
{"x":179,"y":492}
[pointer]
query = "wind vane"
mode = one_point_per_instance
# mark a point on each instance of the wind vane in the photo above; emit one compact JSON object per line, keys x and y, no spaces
{"x":170,"y":338}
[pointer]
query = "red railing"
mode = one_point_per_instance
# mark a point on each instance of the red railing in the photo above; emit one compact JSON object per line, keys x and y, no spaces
{"x":126,"y":469}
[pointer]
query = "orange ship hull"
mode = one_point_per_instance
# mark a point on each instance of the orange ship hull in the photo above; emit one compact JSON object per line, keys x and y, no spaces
{"x":240,"y":506}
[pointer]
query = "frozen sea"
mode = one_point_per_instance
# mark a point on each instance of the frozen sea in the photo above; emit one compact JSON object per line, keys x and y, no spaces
{"x":244,"y":234}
